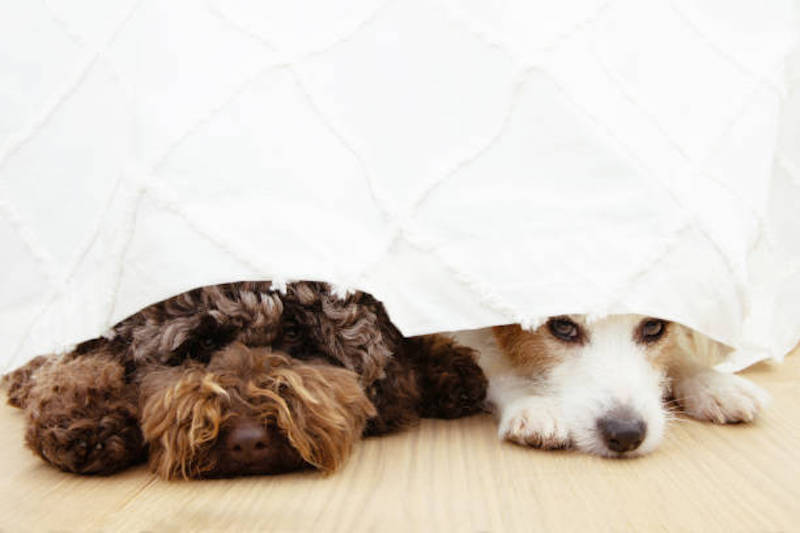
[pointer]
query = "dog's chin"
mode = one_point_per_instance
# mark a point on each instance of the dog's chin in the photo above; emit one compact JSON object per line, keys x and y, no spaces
{"x":279,"y":458}
{"x":596,"y":447}
{"x":229,"y":469}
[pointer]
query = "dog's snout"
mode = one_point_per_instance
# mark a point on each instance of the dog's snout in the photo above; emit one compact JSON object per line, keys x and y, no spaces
{"x":622,"y":434}
{"x":247,"y":441}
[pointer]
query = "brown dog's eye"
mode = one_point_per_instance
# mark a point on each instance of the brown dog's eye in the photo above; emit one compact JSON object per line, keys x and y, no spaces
{"x":652,"y":329}
{"x":291,"y":333}
{"x":564,"y":329}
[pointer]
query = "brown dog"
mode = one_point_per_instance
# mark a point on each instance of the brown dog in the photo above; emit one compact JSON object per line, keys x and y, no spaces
{"x":240,"y":379}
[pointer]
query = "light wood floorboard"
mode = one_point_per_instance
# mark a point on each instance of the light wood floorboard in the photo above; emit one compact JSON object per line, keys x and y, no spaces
{"x":451,"y":476}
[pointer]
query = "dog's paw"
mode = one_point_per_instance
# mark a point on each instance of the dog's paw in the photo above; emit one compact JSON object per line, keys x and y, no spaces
{"x":535,"y":422}
{"x":719,"y":398}
{"x":82,"y":416}
{"x":101,"y":443}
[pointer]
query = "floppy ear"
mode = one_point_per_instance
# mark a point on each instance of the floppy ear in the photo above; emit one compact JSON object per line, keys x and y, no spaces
{"x":182,"y":409}
{"x":321,"y":408}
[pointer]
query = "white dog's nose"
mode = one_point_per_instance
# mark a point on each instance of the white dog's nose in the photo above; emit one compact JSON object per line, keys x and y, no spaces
{"x":622,"y":434}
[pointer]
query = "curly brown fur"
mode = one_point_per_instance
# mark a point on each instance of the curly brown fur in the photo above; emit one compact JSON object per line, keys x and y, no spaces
{"x":315,"y":412}
{"x":19,"y":382}
{"x":320,"y":370}
{"x":450,"y":382}
{"x":396,"y":398}
{"x":81,"y":415}
{"x":309,"y":318}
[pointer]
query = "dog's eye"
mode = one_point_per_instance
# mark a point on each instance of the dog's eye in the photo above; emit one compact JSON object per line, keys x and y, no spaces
{"x":208,"y":343}
{"x":652,"y":329}
{"x":291,"y":333}
{"x":564,"y":329}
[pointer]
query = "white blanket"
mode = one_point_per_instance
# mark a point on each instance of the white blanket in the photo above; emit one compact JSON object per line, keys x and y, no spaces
{"x":467,"y":162}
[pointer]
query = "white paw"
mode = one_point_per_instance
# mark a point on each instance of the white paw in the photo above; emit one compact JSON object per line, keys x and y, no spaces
{"x":720,"y":398}
{"x":533,"y":422}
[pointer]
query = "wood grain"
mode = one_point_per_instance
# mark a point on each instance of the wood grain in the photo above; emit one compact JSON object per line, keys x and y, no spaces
{"x":451,"y":476}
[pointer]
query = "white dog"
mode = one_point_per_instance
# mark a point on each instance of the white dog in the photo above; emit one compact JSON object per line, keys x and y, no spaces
{"x":600,"y":385}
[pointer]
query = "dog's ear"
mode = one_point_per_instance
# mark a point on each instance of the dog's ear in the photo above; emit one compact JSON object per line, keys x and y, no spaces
{"x":320,"y":408}
{"x":181,"y":413}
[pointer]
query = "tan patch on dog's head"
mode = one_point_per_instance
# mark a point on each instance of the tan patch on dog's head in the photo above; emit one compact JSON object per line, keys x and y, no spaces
{"x":530,"y":352}
{"x":661,"y":349}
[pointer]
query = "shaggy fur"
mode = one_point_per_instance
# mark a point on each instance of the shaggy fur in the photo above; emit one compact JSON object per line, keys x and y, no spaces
{"x":81,"y":415}
{"x":315,"y":411}
{"x":311,"y":371}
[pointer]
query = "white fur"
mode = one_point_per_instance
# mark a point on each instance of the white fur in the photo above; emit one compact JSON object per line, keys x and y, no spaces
{"x":610,"y":373}
{"x":536,"y":421}
{"x":717,"y":397}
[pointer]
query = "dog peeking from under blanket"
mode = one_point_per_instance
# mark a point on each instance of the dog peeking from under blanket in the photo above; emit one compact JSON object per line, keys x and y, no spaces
{"x":606,"y":386}
{"x":240,"y":379}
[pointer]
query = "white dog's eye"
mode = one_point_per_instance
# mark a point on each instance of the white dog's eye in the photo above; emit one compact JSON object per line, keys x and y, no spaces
{"x":652,"y":329}
{"x":564,"y":329}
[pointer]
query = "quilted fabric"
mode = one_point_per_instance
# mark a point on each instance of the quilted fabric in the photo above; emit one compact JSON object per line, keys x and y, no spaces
{"x":468,"y":162}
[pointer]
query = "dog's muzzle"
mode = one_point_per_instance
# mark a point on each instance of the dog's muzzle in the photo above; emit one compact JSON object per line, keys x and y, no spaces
{"x":622,"y":430}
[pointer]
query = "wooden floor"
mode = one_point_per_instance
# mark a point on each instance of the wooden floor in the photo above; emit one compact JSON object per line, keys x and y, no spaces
{"x":451,"y":476}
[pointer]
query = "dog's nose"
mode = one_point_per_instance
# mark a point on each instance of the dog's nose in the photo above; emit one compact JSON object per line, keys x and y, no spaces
{"x":247,"y":441}
{"x":622,"y":434}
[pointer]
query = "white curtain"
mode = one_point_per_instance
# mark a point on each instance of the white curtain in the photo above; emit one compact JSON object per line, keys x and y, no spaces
{"x":468,"y":162}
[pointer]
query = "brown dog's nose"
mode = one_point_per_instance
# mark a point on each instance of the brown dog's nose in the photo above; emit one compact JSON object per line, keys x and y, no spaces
{"x":247,"y":441}
{"x":621,"y":434}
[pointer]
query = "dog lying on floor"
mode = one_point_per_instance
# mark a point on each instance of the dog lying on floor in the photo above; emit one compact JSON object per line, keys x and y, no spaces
{"x":240,"y":379}
{"x":599,"y":386}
